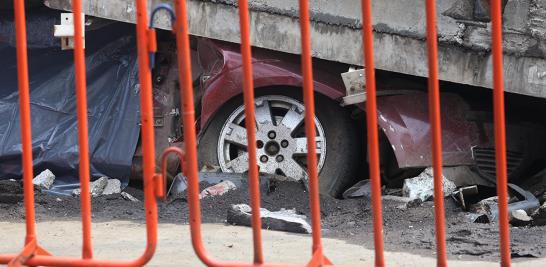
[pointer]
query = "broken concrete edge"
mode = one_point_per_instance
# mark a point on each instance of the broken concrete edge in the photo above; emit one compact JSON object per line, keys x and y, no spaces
{"x":282,"y":220}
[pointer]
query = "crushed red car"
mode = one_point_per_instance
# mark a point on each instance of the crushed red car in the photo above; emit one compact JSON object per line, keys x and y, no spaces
{"x":340,"y":134}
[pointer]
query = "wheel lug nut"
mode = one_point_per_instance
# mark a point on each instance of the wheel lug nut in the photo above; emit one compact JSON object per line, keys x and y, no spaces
{"x":264,"y":158}
{"x":259,"y":144}
{"x":279,"y":158}
{"x":284,"y":143}
{"x":272,"y":134}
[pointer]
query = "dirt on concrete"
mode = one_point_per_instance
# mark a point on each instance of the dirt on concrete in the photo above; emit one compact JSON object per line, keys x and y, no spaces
{"x":405,"y":229}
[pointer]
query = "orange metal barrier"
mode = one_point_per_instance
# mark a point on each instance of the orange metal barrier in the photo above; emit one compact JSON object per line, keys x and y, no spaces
{"x":33,"y":254}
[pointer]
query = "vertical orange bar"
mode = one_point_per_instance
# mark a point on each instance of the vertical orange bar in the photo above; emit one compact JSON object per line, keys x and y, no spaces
{"x":81,"y":101}
{"x":373,"y":140}
{"x":309,"y":102}
{"x":500,"y":134}
{"x":436,"y":131}
{"x":26,"y":130}
{"x":147,"y":127}
{"x":250,"y":123}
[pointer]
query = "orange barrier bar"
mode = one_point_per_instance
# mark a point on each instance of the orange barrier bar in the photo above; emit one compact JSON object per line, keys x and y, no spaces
{"x":81,"y":100}
{"x":26,"y":129}
{"x":250,"y":123}
{"x":500,"y":130}
{"x":318,"y":258}
{"x":436,"y":132}
{"x":373,"y":139}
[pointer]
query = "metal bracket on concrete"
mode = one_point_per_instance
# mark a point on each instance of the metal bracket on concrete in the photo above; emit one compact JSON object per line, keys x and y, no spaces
{"x":65,"y":31}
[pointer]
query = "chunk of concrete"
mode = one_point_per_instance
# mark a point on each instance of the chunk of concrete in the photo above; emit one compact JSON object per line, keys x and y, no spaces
{"x":98,"y":186}
{"x":112,"y":187}
{"x":422,"y":186}
{"x":128,"y":196}
{"x":218,"y":189}
{"x":44,"y":180}
{"x":516,"y":14}
{"x":282,"y":220}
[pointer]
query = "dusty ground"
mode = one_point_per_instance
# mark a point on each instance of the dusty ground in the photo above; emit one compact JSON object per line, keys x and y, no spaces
{"x":346,"y":221}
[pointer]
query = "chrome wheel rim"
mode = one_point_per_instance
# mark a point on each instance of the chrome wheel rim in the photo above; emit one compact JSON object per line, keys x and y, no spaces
{"x":280,"y":139}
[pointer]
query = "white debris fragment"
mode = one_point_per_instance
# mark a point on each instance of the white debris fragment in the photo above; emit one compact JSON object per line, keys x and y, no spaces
{"x":127,"y":196}
{"x":282,"y":220}
{"x":218,"y":189}
{"x":519,"y":216}
{"x":422,"y":186}
{"x":113,"y":186}
{"x":44,"y":180}
{"x":97,"y":186}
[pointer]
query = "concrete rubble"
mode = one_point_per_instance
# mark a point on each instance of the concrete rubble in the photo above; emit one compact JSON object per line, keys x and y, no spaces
{"x":282,"y":220}
{"x":44,"y":180}
{"x":422,"y":186}
{"x":112,"y":187}
{"x":102,"y":186}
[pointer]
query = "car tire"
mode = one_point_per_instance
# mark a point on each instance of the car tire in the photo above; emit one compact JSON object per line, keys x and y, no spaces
{"x":339,"y":167}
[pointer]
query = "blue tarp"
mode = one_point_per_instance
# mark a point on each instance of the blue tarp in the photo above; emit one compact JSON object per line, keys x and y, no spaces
{"x":113,"y":102}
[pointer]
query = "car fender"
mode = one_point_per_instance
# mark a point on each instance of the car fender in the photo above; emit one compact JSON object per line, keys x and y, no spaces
{"x":228,"y":84}
{"x":405,"y":121}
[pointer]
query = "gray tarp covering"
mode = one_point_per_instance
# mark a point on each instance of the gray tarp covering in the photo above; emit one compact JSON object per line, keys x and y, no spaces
{"x":113,"y":101}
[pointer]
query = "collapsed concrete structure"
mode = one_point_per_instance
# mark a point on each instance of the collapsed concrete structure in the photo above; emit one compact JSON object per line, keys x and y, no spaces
{"x":463,"y":25}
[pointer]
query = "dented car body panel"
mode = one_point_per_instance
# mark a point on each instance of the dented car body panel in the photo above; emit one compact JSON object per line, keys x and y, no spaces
{"x":403,"y":118}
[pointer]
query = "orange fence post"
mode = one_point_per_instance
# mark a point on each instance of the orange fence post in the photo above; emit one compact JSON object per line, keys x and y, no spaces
{"x":500,"y":130}
{"x":373,"y":139}
{"x":81,"y":102}
{"x":436,"y":131}
{"x":318,"y":258}
{"x":250,"y":122}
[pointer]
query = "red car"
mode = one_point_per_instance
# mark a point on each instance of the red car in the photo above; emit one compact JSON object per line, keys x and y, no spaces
{"x":403,"y":120}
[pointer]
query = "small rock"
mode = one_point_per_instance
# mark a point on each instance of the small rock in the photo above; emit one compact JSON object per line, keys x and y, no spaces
{"x":98,"y":186}
{"x":127,"y":196}
{"x":218,"y":189}
{"x":112,"y":187}
{"x":403,"y":202}
{"x":422,"y":186}
{"x":210,"y":168}
{"x":44,"y":180}
{"x":76,"y":192}
{"x":58,"y":200}
{"x":519,"y":218}
{"x":360,"y":189}
{"x":282,"y":220}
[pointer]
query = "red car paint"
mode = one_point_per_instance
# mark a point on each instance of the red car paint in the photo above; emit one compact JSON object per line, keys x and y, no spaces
{"x":403,"y":118}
